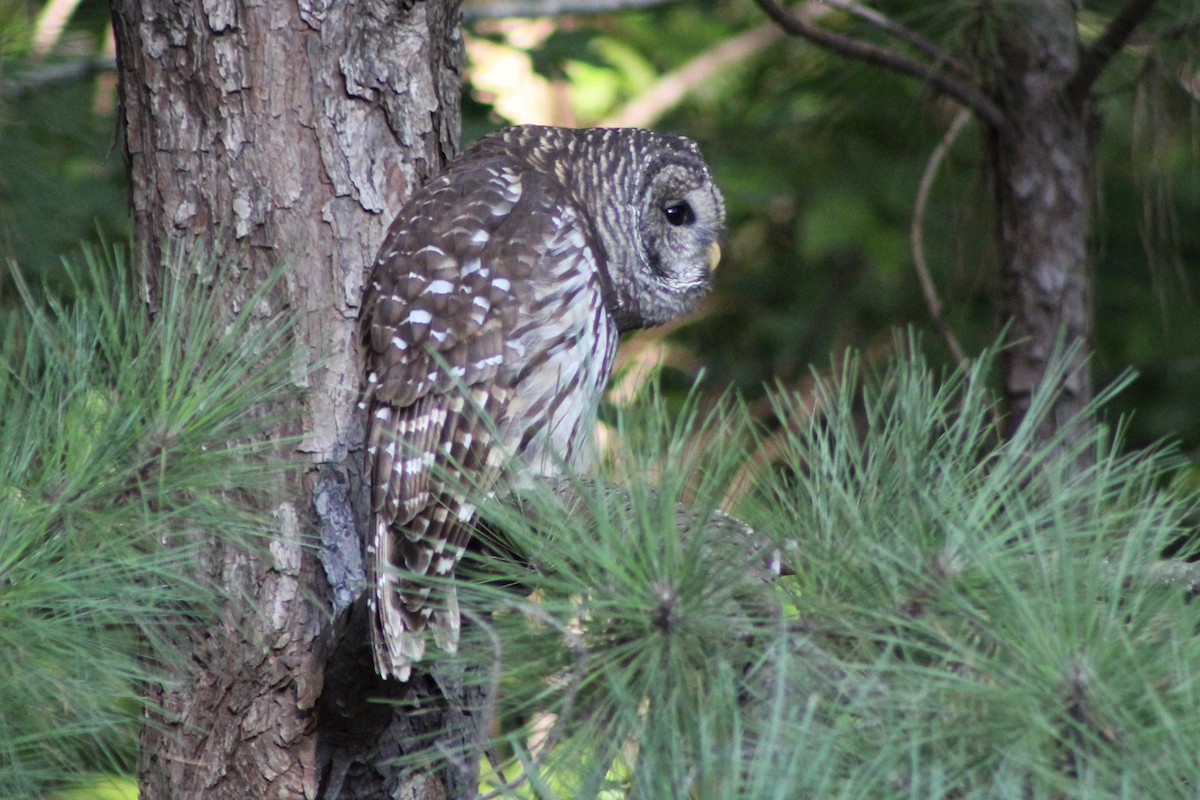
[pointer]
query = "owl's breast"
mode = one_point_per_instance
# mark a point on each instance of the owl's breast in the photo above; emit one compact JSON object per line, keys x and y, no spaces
{"x":557,"y":362}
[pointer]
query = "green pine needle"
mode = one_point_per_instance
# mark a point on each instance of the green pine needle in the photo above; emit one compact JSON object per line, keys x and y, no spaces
{"x":131,"y":438}
{"x":968,"y":617}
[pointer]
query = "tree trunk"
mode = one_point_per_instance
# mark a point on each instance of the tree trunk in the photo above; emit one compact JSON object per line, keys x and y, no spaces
{"x":1042,"y":155}
{"x":288,"y":132}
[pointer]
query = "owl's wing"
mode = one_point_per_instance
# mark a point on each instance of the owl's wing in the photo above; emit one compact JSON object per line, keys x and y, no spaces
{"x":450,"y":281}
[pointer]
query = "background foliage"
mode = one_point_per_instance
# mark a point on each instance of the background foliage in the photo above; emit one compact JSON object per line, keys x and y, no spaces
{"x":819,"y":159}
{"x":62,"y":181}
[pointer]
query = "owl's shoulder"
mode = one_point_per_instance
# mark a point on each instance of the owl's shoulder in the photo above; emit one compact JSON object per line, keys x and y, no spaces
{"x":487,"y":240}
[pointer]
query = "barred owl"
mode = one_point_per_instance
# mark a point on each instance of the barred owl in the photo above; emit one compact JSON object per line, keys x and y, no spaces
{"x":489,"y":325}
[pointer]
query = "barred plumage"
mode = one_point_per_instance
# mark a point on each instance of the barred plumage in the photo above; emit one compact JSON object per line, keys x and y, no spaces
{"x":499,"y":293}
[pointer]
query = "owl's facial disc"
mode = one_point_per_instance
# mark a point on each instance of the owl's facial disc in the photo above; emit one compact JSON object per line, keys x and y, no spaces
{"x":685,"y":232}
{"x":679,"y":216}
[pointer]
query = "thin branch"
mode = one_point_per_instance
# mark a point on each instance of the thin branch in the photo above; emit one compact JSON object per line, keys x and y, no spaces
{"x":17,"y":85}
{"x":493,"y":688}
{"x":578,"y":668}
{"x":1093,"y":60}
{"x":496,"y":9}
{"x":578,"y":673}
{"x":966,"y":93}
{"x":890,"y":26}
{"x":1175,"y":573}
{"x":917,"y":237}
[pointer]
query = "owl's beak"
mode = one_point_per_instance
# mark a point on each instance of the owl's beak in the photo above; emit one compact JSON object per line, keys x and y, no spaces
{"x":714,"y":256}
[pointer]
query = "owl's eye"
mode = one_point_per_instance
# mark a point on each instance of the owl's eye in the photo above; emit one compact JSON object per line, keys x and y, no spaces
{"x":679,"y":214}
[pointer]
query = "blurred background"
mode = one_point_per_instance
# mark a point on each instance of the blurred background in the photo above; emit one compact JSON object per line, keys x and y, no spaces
{"x":820,"y":160}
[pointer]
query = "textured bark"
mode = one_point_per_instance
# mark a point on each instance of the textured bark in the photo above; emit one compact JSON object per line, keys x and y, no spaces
{"x":1042,"y":155}
{"x":284,"y":131}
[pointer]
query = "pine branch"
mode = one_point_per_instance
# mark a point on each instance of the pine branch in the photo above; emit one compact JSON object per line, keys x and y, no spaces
{"x":1096,"y":58}
{"x":719,"y":531}
{"x":849,"y":47}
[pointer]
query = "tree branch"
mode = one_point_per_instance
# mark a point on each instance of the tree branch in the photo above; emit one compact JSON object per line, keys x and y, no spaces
{"x":917,"y":237}
{"x":493,"y":9}
{"x":28,"y":82}
{"x":1093,"y":60}
{"x":965,"y":93}
{"x":563,"y":716}
{"x":890,"y":26}
{"x":49,"y":26}
{"x":1173,"y":572}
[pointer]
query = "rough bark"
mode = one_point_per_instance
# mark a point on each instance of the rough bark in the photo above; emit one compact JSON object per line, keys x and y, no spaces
{"x":1042,"y":157}
{"x":285,"y":131}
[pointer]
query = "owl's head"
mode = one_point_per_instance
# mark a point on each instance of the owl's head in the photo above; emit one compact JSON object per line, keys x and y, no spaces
{"x":661,"y":265}
{"x":654,"y":214}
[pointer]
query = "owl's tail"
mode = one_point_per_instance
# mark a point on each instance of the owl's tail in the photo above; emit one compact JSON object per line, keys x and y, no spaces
{"x":401,"y":611}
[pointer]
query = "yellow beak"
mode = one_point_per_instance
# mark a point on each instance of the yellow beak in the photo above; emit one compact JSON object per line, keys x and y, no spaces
{"x":714,"y":256}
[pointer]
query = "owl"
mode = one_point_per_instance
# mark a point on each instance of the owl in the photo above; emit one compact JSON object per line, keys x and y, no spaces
{"x":489,"y":326}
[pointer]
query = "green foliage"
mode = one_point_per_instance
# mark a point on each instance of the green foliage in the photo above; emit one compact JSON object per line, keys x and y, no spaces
{"x":968,"y":617}
{"x":126,"y":451}
{"x":997,"y":605}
